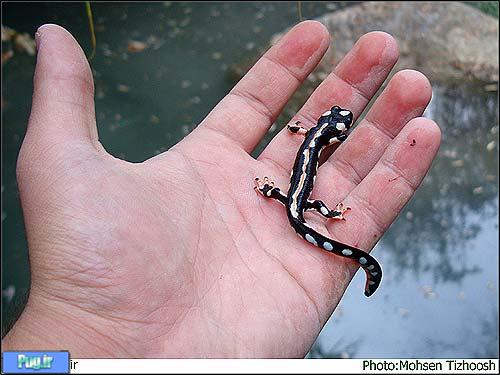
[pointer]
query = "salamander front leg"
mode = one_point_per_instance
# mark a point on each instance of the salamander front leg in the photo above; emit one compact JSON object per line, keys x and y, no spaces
{"x":338,"y":139}
{"x":268,"y":190}
{"x":296,"y":128}
{"x":320,"y":206}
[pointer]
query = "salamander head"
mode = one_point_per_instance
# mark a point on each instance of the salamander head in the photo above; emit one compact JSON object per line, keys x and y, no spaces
{"x":339,"y":121}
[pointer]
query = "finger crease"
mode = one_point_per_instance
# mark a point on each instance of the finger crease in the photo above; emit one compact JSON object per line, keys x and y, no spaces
{"x":373,"y":215}
{"x":274,"y":163}
{"x":399,"y":172}
{"x":255,"y":103}
{"x":358,"y":91}
{"x":378,"y":126}
{"x":298,"y":78}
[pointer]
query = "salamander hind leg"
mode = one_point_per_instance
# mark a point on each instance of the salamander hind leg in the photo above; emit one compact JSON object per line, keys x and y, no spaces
{"x":296,"y":128}
{"x":338,"y":212}
{"x":320,"y":206}
{"x":268,"y":190}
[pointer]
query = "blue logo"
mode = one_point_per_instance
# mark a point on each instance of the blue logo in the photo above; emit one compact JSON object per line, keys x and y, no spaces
{"x":35,"y":362}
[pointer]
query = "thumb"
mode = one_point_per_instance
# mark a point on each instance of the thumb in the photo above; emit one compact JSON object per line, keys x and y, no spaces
{"x":62,"y":109}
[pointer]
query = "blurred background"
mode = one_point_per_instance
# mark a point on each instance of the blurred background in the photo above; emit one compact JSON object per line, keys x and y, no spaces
{"x":160,"y":67}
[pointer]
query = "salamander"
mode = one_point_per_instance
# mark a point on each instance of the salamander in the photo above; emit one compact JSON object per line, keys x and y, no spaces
{"x":332,"y":127}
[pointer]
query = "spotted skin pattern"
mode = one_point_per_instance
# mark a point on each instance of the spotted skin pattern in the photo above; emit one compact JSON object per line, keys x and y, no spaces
{"x":331,"y":128}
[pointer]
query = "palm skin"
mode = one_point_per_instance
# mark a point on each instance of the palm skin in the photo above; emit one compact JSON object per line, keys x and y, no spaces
{"x":178,"y":256}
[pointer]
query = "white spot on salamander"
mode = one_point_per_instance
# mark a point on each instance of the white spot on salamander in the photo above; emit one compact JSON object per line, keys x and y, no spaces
{"x":340,"y":126}
{"x":333,"y":140}
{"x":370,"y":267}
{"x":324,"y":210}
{"x":347,"y":252}
{"x":344,"y":113}
{"x":362,"y":260}
{"x":328,"y":246}
{"x":327,"y":113}
{"x":374,"y":273}
{"x":311,"y":239}
{"x":371,"y":282}
{"x":268,"y":193}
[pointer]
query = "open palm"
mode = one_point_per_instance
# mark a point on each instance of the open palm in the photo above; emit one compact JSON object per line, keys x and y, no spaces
{"x":178,"y":256}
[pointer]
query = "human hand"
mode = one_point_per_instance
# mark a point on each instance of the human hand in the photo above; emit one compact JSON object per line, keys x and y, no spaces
{"x":178,"y":256}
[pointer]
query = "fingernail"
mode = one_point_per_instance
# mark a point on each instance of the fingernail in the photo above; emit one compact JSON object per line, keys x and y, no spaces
{"x":38,"y":37}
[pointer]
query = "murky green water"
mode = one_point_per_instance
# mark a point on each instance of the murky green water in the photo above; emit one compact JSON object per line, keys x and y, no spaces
{"x":439,"y":297}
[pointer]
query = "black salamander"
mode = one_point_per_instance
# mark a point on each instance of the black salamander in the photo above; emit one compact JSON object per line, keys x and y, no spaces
{"x":332,"y":127}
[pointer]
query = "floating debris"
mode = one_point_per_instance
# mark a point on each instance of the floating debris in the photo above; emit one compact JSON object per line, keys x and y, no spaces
{"x":452,"y":154}
{"x":99,"y":93}
{"x":7,"y":55}
{"x":489,"y":177}
{"x":403,"y":312}
{"x":122,"y":88}
{"x":136,"y":46}
{"x":339,"y":312}
{"x":345,"y":355}
{"x":409,"y":216}
{"x":186,"y":21}
{"x":205,"y":86}
{"x":155,"y":42}
{"x":195,"y":100}
{"x":250,"y":46}
{"x":185,"y":84}
{"x":462,"y":296}
{"x":491,"y":146}
{"x":429,"y":292}
{"x":478,"y":190}
{"x":257,"y":29}
{"x":458,"y":163}
{"x":491,"y":87}
{"x":259,"y":15}
{"x":25,"y":43}
{"x":9,"y":293}
{"x":7,"y":33}
{"x":154,"y":119}
{"x":216,"y":55}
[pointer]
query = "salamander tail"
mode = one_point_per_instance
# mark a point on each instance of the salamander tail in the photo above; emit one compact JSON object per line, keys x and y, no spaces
{"x":370,"y":265}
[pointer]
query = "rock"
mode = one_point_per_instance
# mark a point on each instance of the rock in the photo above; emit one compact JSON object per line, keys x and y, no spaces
{"x":444,"y":40}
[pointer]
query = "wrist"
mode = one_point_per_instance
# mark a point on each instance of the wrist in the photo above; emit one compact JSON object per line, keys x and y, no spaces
{"x":52,"y":326}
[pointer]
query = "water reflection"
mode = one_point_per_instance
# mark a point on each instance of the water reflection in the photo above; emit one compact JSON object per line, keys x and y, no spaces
{"x":338,"y":349}
{"x":459,"y":193}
